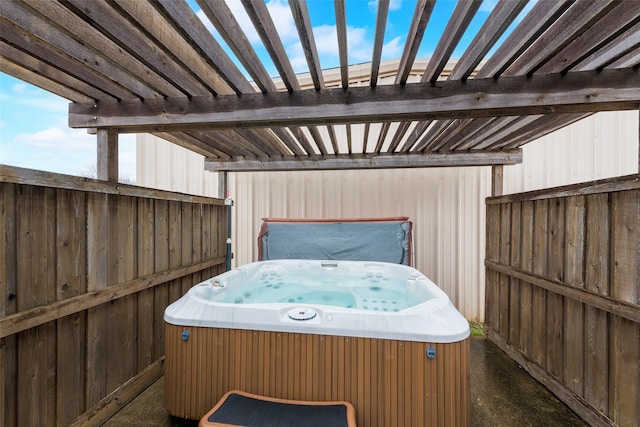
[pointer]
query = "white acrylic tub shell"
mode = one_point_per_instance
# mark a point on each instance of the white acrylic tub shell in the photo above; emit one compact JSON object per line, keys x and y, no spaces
{"x":435,"y":319}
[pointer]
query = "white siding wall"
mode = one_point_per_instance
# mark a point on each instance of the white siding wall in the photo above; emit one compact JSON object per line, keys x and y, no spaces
{"x":166,"y":166}
{"x":446,"y":205}
{"x":603,"y":145}
{"x":443,"y":205}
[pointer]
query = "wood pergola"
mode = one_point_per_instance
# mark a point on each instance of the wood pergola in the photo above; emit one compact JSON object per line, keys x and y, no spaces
{"x":90,"y":265}
{"x":154,"y":67}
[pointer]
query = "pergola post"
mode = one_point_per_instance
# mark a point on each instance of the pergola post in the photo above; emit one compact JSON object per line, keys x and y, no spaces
{"x":107,"y":162}
{"x":497,"y":187}
{"x":223,"y":193}
{"x":222,"y":184}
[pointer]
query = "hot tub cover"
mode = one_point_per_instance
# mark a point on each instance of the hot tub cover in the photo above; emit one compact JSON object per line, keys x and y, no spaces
{"x":378,"y":239}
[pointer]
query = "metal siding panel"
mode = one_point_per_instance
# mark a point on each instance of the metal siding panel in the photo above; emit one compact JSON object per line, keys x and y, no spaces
{"x":600,"y":146}
{"x":166,"y":166}
{"x":432,"y":198}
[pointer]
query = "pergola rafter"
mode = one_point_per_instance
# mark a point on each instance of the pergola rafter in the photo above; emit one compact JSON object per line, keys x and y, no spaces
{"x":154,"y":66}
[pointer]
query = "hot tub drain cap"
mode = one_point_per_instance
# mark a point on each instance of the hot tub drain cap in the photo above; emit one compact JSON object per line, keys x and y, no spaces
{"x":302,"y":313}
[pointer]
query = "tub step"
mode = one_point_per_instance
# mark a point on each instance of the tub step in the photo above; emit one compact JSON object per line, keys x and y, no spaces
{"x":239,"y":408}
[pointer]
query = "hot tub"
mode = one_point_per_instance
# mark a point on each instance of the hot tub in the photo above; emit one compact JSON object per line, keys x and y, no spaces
{"x":381,"y":336}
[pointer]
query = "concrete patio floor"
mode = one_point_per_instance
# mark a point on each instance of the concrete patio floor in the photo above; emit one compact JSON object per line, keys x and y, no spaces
{"x":502,"y":394}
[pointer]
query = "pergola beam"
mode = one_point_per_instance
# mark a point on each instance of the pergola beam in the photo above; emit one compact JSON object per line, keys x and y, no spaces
{"x":367,"y":161}
{"x":580,"y":92}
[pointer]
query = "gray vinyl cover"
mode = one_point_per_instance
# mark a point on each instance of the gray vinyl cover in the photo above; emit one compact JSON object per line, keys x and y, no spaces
{"x":353,"y":241}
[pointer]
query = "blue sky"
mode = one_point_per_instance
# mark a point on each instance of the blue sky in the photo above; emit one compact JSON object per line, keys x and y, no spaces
{"x":33,"y":123}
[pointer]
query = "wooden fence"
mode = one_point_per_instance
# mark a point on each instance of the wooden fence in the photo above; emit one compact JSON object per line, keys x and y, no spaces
{"x":87,"y":270}
{"x":563,"y":292}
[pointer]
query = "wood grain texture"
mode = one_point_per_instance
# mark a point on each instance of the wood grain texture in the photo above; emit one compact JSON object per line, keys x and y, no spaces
{"x":119,"y":51}
{"x":476,"y":98}
{"x":389,"y":382}
{"x":80,"y":270}
{"x":579,"y":326}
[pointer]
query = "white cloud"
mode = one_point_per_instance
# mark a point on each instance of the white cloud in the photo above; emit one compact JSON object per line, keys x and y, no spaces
{"x":24,"y":95}
{"x":326,"y":40}
{"x":359,"y":47}
{"x":58,"y":139}
{"x":393,"y":5}
{"x":54,"y":149}
{"x":21,"y":87}
{"x":70,"y":151}
{"x":35,"y":133}
{"x":50,"y":104}
{"x":243,"y":20}
{"x":392,"y":48}
{"x":281,"y":14}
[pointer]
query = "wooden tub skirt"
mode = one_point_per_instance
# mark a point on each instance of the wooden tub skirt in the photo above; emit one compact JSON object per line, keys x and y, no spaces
{"x":389,"y":382}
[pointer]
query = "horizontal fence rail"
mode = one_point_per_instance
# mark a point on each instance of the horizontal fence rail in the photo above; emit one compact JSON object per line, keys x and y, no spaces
{"x":88,"y":268}
{"x":563,"y":292}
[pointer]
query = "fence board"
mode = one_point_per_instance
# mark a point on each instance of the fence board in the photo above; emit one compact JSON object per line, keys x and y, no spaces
{"x":575,"y":217}
{"x":97,"y":232}
{"x":161,"y":263}
{"x":555,"y":302}
{"x":34,"y":237}
{"x":596,"y":360}
{"x":175,"y":247}
{"x":493,"y":245}
{"x":574,"y":310}
{"x":625,"y":372}
{"x":515,"y":284}
{"x":146,"y":241}
{"x":626,"y":246}
{"x":8,"y":252}
{"x":70,"y":381}
{"x":526,"y":264}
{"x":36,"y":377}
{"x":43,"y":234}
{"x":71,"y":281}
{"x":9,"y":380}
{"x":539,"y":327}
{"x":196,"y":245}
{"x":503,"y":280}
{"x":121,"y":335}
{"x":581,"y":258}
{"x":597,"y":244}
{"x":186,"y":243}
